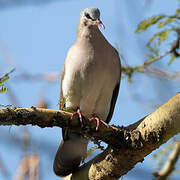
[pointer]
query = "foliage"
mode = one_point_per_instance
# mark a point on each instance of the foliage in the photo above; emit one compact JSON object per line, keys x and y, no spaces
{"x":63,"y":100}
{"x":167,"y":30}
{"x":3,"y":89}
{"x":167,"y":25}
{"x":173,"y":57}
{"x":90,"y":152}
{"x":161,"y":36}
{"x":144,"y":25}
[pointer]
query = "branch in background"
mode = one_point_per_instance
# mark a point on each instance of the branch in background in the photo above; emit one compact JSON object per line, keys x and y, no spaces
{"x":129,"y":70}
{"x":49,"y":77}
{"x":127,"y":145}
{"x":163,"y":74}
{"x":170,"y":24}
{"x":3,"y":79}
{"x":169,"y":167}
{"x":28,"y":168}
{"x":7,"y":57}
{"x":3,"y":169}
{"x":7,"y":75}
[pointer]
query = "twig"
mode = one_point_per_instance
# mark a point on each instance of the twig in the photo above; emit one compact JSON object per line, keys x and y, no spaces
{"x":145,"y":64}
{"x":163,"y":74}
{"x":169,"y":167}
{"x":28,"y":167}
{"x":7,"y":74}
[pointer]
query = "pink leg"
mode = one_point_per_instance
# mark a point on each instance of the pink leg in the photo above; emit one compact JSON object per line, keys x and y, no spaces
{"x":78,"y":112}
{"x":98,"y":120}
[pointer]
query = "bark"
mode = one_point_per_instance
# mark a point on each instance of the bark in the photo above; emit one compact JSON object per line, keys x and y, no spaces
{"x":127,"y":145}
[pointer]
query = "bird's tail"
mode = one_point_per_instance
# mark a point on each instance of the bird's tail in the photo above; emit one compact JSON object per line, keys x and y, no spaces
{"x":70,"y":154}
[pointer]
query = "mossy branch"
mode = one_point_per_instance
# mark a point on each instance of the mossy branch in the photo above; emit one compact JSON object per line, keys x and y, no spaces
{"x":127,"y":145}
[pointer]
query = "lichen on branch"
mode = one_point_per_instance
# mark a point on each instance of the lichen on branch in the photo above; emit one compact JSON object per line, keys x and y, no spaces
{"x":127,"y":145}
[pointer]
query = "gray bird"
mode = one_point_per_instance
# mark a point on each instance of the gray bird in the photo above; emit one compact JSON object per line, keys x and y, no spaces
{"x":89,"y":85}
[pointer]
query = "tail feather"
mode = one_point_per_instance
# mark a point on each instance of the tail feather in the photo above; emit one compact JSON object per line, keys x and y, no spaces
{"x":70,"y":154}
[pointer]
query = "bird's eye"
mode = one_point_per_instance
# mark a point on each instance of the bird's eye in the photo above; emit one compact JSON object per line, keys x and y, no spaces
{"x":89,"y":17}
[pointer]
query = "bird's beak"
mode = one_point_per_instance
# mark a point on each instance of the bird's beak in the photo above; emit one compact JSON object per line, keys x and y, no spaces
{"x":99,"y":22}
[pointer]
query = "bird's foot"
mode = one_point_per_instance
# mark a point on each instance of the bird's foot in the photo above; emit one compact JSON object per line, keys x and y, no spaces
{"x":78,"y":113}
{"x":98,"y":120}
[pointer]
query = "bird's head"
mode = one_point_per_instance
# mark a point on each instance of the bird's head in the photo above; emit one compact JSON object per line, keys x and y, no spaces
{"x":91,"y":17}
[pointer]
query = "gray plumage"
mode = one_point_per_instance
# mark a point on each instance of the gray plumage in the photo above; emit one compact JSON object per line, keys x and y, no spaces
{"x":90,"y":82}
{"x":93,"y":12}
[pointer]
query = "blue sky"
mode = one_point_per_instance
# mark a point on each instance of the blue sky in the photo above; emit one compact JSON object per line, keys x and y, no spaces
{"x":37,"y":39}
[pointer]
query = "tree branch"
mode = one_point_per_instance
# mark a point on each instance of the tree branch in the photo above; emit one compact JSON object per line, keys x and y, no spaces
{"x":149,"y":134}
{"x":169,"y":167}
{"x":130,"y":69}
{"x":127,"y":145}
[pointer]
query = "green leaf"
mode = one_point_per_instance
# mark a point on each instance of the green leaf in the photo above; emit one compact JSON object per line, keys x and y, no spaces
{"x":2,"y":80}
{"x":177,"y":11}
{"x":144,"y":25}
{"x":162,"y":36}
{"x":140,"y":70}
{"x":3,"y":89}
{"x":167,"y":21}
{"x":172,"y":59}
{"x":90,"y":152}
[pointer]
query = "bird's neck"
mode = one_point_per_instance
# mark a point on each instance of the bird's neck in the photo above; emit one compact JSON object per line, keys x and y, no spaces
{"x":89,"y":34}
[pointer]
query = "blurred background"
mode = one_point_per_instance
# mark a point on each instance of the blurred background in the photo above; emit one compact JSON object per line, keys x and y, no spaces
{"x":35,"y":36}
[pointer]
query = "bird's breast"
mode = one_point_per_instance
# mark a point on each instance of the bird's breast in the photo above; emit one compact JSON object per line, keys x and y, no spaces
{"x":89,"y":82}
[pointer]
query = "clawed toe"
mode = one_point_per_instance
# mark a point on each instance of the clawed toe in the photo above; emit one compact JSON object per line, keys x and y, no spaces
{"x":98,"y":120}
{"x":78,"y":113}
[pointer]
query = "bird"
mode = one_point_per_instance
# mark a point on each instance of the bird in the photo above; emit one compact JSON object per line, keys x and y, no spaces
{"x":90,"y":84}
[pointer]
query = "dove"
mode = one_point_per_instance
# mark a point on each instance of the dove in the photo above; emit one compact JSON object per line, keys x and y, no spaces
{"x":90,"y":83}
